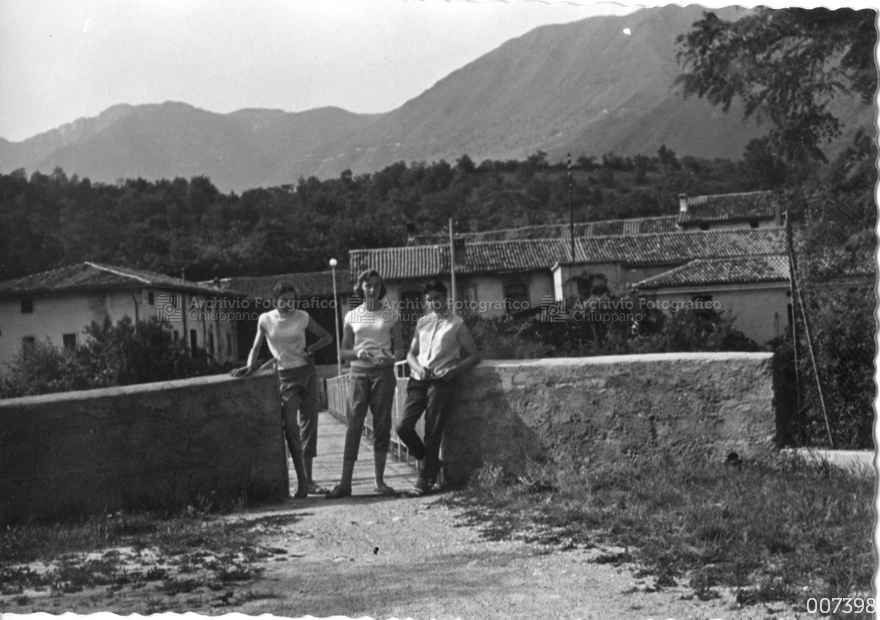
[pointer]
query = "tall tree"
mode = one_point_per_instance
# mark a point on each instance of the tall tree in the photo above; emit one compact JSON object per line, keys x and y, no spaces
{"x":786,"y":65}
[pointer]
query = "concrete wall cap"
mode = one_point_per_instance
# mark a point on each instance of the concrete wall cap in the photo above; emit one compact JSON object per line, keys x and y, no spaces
{"x":628,"y":359}
{"x":142,"y":388}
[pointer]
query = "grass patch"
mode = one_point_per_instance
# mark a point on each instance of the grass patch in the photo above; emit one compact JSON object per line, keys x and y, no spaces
{"x":130,"y":549}
{"x":766,"y":528}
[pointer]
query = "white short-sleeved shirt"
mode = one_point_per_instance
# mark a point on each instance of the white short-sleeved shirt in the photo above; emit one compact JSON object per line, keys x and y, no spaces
{"x":286,"y":335}
{"x":372,"y":333}
{"x":439,"y":343}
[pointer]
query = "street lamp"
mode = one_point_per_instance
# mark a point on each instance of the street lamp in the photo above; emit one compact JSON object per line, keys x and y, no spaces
{"x":336,"y":320}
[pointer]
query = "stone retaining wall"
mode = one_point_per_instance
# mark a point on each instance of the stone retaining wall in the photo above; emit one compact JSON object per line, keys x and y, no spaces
{"x":147,"y":445}
{"x":609,"y":408}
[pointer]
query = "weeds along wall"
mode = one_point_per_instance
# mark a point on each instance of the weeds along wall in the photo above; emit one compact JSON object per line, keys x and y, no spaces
{"x":610,"y":408}
{"x":160,"y":445}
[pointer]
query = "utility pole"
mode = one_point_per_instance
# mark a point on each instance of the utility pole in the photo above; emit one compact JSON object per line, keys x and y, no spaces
{"x":792,"y":288}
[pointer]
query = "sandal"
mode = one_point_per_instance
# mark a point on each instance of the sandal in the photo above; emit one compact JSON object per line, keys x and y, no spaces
{"x":338,"y":493}
{"x":421,"y":488}
{"x":316,"y":489}
{"x":384,"y":489}
{"x":433,"y":481}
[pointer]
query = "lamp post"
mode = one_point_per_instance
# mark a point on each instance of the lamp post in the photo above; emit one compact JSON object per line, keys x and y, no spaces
{"x":336,"y":320}
{"x":452,"y":265}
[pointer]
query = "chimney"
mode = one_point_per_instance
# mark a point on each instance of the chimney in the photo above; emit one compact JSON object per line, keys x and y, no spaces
{"x":683,"y":203}
{"x":216,"y":282}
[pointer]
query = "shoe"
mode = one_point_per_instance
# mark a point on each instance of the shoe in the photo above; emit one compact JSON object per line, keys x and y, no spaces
{"x":432,"y":481}
{"x":384,"y":489}
{"x":338,"y":493}
{"x":301,"y":493}
{"x":422,"y":486}
{"x":316,"y":489}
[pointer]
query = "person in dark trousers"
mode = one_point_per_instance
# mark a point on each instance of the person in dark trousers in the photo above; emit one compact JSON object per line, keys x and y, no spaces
{"x":372,"y":340}
{"x":435,"y":360}
{"x":285,"y":331}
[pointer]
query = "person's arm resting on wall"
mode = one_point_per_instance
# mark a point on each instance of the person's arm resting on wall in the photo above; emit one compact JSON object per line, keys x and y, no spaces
{"x":472,"y":355}
{"x":253,"y":355}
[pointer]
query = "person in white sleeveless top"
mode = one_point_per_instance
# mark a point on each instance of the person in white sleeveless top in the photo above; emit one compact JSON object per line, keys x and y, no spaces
{"x":373,"y":341}
{"x":284,"y":329}
{"x":435,"y":360}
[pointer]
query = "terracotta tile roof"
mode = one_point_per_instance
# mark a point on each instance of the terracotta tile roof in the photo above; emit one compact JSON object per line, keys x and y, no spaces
{"x":737,"y":270}
{"x":680,"y":247}
{"x":317,"y":284}
{"x":635,"y":226}
{"x":729,"y":208}
{"x":401,"y":263}
{"x":90,"y":276}
{"x":532,"y":255}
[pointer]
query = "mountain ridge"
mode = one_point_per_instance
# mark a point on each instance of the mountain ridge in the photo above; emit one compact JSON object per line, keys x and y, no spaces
{"x":598,"y":85}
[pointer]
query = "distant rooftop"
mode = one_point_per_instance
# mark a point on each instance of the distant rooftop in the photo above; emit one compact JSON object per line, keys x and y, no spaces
{"x":729,"y":208}
{"x":603,"y":228}
{"x":672,"y":248}
{"x":315,"y":284}
{"x":736,"y":270}
{"x":90,"y":276}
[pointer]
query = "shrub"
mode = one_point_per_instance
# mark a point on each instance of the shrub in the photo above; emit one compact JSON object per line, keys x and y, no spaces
{"x":577,"y":330}
{"x":123,"y":354}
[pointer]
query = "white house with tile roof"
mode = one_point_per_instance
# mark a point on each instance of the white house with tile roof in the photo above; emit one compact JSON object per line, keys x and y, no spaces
{"x":57,"y":305}
{"x":503,"y":270}
{"x":754,"y":290}
{"x":497,"y":276}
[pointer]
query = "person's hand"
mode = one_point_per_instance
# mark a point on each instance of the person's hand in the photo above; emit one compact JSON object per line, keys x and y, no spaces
{"x":240,"y":372}
{"x":446,"y":374}
{"x":385,"y":359}
{"x":365,"y":356}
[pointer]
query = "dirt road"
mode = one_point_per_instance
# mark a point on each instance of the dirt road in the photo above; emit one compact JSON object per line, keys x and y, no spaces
{"x":397,"y":557}
{"x":419,"y":558}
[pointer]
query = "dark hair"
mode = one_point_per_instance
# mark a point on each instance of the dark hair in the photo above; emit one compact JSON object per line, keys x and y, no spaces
{"x":284,"y":287}
{"x":435,"y":285}
{"x":362,"y":279}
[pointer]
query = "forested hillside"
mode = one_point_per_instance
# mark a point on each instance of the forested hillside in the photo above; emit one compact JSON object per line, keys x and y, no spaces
{"x":188,"y":226}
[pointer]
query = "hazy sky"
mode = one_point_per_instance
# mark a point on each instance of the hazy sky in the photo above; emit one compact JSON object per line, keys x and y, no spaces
{"x":65,"y":59}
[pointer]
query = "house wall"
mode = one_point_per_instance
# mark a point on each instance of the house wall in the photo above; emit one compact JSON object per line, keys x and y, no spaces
{"x":619,"y":276}
{"x":156,"y":445}
{"x":609,"y":408}
{"x":760,"y":313}
{"x":482,"y":293}
{"x":70,"y":313}
{"x":55,"y":316}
